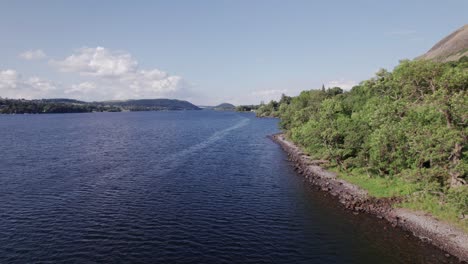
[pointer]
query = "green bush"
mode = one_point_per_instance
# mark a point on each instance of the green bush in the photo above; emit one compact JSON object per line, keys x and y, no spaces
{"x":405,"y":128}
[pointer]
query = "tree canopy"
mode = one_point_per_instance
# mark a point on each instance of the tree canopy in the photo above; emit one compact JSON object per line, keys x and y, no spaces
{"x":410,"y":124}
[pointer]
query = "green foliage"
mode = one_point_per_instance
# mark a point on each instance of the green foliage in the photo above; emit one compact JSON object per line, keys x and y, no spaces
{"x":22,"y":106}
{"x":407,"y":130}
{"x":246,"y":108}
{"x":225,"y":107}
{"x":379,"y":186}
{"x":451,"y":206}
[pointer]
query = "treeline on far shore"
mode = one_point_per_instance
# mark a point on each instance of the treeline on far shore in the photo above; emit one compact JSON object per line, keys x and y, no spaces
{"x":22,"y":106}
{"x":247,"y":108}
{"x":42,"y":106}
{"x":399,"y":134}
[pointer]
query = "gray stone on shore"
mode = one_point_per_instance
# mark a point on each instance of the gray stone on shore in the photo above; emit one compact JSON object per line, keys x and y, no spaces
{"x":443,"y":235}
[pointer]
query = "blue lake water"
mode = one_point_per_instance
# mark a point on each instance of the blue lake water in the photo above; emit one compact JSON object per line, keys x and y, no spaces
{"x":173,"y":187}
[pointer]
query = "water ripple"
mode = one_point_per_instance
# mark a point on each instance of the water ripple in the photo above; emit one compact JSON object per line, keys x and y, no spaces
{"x":172,"y":187}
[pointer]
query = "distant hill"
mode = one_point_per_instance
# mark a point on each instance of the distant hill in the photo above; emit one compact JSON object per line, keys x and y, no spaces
{"x":62,"y":101}
{"x":225,"y":107}
{"x":451,"y":48}
{"x":152,"y":104}
{"x":63,"y":105}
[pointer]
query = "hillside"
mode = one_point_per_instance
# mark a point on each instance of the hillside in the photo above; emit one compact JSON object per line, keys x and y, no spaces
{"x":152,"y":104}
{"x":62,"y":101}
{"x":451,"y":48}
{"x":399,"y":135}
{"x":225,"y":107}
{"x":63,"y":105}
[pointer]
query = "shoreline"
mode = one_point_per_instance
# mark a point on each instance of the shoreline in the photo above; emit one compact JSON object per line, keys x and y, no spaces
{"x":440,"y":234}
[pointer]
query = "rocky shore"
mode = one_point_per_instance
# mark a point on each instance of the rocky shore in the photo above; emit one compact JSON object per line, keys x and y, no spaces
{"x":447,"y":237}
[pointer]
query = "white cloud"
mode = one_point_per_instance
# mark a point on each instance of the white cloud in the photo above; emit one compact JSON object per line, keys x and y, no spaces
{"x":274,"y":92}
{"x":33,"y":55}
{"x":345,"y":85}
{"x":268,"y":95}
{"x":99,"y":62}
{"x":8,"y":79}
{"x":84,"y":87}
{"x":104,"y":75}
{"x":14,"y":85}
{"x":254,"y":97}
{"x":116,"y":75}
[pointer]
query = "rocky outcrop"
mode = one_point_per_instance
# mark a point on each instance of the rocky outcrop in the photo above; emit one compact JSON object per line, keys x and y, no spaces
{"x":451,"y":48}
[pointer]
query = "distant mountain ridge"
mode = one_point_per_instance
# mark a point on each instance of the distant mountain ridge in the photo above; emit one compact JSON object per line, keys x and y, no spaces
{"x":153,"y":104}
{"x":451,"y":48}
{"x":64,"y":105}
{"x":62,"y":100}
{"x":225,"y":107}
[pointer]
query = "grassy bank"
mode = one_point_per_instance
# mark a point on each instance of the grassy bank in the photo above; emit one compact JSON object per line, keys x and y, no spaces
{"x":415,"y":196}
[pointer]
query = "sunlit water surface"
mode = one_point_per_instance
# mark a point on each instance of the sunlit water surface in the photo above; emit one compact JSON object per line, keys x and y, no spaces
{"x":173,"y":187}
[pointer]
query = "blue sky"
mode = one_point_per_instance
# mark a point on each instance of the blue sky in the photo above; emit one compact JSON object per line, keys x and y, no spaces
{"x":209,"y":51}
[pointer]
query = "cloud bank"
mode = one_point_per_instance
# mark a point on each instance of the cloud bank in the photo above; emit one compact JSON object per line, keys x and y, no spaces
{"x":268,"y":95}
{"x":33,"y":55}
{"x":116,"y":75}
{"x":14,"y":85}
{"x":343,"y":84}
{"x":105,"y":75}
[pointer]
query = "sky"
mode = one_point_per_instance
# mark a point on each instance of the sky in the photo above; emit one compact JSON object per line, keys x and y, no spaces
{"x":209,"y":52}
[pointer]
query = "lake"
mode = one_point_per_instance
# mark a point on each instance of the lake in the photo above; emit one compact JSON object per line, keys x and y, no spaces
{"x":173,"y":187}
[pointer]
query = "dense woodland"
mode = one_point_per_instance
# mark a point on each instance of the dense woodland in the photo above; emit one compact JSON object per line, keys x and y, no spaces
{"x":247,"y":108}
{"x":22,"y":106}
{"x":225,"y":107}
{"x":151,"y":104}
{"x":406,"y":131}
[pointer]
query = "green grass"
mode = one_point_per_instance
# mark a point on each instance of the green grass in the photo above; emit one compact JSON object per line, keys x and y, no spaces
{"x":378,"y":186}
{"x":441,"y":210}
{"x":414,"y":198}
{"x":381,"y":187}
{"x":462,"y":51}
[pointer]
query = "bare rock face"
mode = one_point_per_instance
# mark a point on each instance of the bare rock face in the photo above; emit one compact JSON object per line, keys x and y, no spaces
{"x":451,"y":48}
